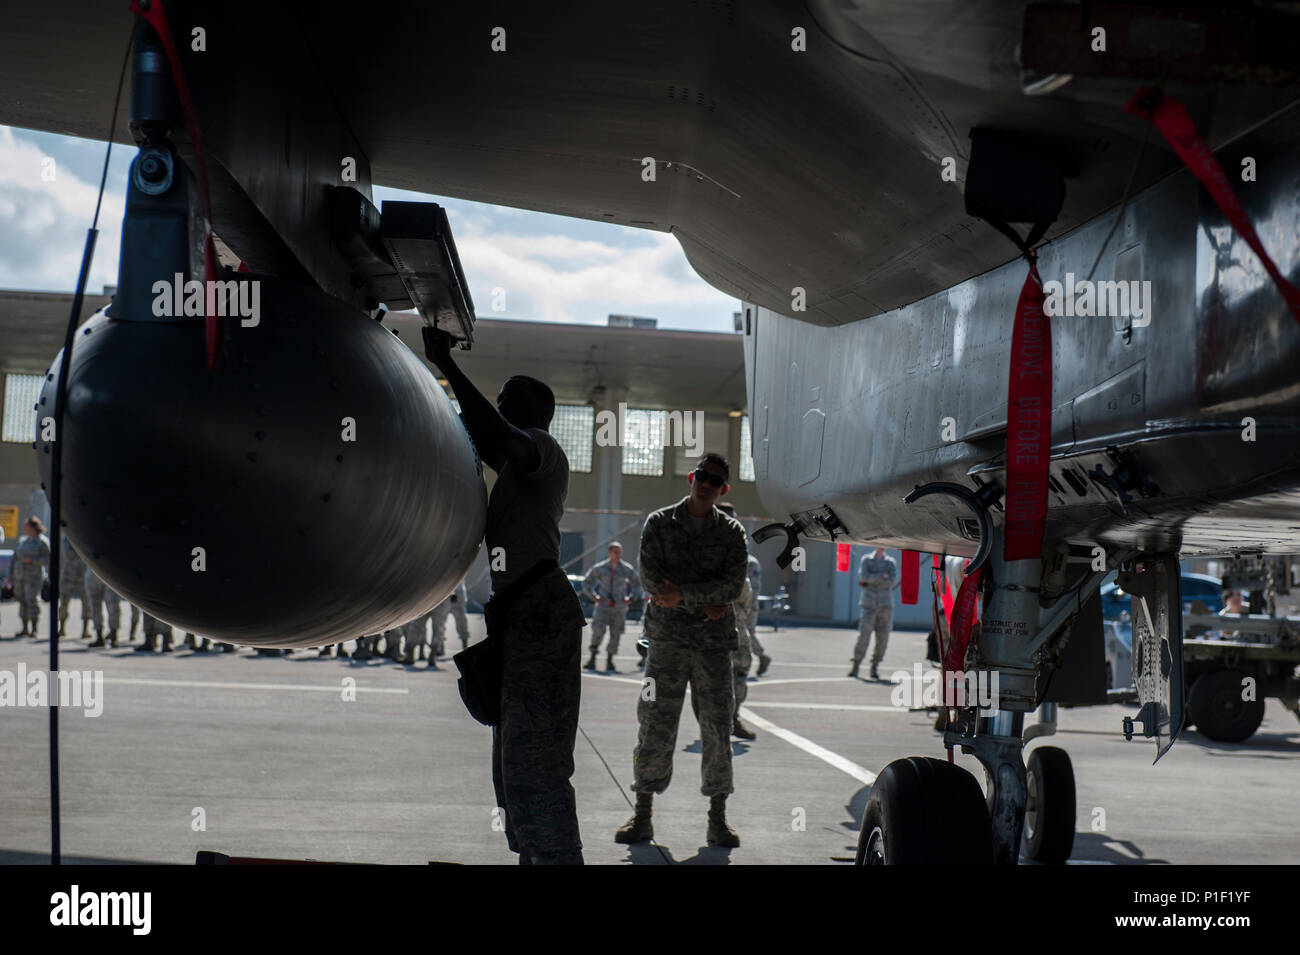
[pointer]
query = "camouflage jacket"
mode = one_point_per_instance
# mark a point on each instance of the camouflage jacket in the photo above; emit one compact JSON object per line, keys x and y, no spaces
{"x":606,"y":582}
{"x":709,"y":567}
{"x":880,"y":575}
{"x":31,"y":557}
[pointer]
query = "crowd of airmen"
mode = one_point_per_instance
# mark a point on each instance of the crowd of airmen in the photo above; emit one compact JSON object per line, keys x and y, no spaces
{"x":101,"y":610}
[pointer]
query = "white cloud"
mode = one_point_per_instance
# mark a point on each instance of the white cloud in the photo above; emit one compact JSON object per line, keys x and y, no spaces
{"x":552,"y":268}
{"x":43,"y":224}
{"x":557,"y":279}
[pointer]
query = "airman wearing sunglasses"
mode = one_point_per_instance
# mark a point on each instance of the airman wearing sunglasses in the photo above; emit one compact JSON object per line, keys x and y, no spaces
{"x":693,"y":563}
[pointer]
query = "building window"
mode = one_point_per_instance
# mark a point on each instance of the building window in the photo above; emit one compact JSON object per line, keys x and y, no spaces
{"x":573,"y":427}
{"x":746,"y":450}
{"x":643,"y":442}
{"x":714,"y":436}
{"x":21,"y":394}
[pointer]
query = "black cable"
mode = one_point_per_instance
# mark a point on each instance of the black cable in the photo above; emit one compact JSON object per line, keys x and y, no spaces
{"x":1123,"y":203}
{"x":667,"y":860}
{"x":56,"y":469}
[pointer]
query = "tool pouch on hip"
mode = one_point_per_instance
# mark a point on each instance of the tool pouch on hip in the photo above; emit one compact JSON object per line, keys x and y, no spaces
{"x":481,"y":665}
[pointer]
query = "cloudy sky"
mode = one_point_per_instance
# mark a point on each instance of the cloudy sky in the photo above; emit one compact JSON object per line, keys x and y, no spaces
{"x":552,"y":268}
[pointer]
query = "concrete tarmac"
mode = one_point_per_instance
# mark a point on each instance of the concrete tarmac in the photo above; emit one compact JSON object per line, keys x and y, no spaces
{"x":302,"y":757}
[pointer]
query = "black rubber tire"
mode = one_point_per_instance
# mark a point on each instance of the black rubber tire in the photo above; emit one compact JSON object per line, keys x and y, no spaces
{"x":1218,"y":710}
{"x":1048,"y":835}
{"x":925,"y":811}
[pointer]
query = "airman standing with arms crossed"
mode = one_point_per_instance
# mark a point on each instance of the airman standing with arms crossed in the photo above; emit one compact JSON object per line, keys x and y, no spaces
{"x":693,"y":566}
{"x":611,"y":584}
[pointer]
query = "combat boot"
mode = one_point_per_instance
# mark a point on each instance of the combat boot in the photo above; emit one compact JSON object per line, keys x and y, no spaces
{"x":875,"y":674}
{"x":740,"y":730}
{"x":721,"y":834}
{"x":609,"y":664}
{"x":854,"y":672}
{"x":112,"y":639}
{"x":591,"y":661}
{"x":63,"y":626}
{"x":764,"y":661}
{"x":98,"y":641}
{"x":639,"y":828}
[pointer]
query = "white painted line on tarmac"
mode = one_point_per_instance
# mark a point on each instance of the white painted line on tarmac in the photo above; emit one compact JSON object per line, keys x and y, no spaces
{"x":215,"y":685}
{"x":612,"y":679}
{"x":856,"y":707}
{"x":809,"y":679}
{"x":862,"y":775}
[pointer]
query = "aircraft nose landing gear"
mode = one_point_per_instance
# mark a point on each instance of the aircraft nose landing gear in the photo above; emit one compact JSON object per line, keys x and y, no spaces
{"x":929,"y":811}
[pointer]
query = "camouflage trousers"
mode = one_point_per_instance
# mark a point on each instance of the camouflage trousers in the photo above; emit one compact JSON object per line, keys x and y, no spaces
{"x":72,"y":583}
{"x":439,"y":617}
{"x":155,"y":629}
{"x":414,"y":634}
{"x":881,"y":619}
{"x":99,"y":595}
{"x":749,"y":624}
{"x":532,"y":748}
{"x":615,"y":618}
{"x":741,"y":658}
{"x":27,"y":591}
{"x":668,"y":671}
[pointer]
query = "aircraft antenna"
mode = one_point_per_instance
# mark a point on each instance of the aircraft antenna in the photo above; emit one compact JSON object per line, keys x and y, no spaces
{"x":56,"y":459}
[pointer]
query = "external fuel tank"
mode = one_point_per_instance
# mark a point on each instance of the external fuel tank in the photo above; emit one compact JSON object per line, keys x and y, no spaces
{"x":315,"y":487}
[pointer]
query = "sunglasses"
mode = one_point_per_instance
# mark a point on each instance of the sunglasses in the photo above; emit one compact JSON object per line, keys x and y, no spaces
{"x":712,"y":480}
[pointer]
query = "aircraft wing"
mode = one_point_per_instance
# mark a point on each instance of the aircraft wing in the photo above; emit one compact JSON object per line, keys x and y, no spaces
{"x":794,"y":145}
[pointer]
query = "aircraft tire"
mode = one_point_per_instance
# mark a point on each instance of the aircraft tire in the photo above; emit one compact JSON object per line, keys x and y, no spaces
{"x":1049,"y":806}
{"x":925,"y":811}
{"x":1218,"y":710}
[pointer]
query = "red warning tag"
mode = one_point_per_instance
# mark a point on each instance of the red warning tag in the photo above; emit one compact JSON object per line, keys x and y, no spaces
{"x":963,"y":618}
{"x":1029,"y":422}
{"x":910,"y":585}
{"x":842,"y":554}
{"x":1175,"y":124}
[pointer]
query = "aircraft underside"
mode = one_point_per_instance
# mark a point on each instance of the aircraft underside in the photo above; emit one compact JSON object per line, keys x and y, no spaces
{"x":1176,"y":432}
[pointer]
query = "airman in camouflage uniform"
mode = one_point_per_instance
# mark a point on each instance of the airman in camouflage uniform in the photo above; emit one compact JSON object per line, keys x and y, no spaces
{"x":101,"y":596}
{"x":878,"y":576}
{"x":611,"y":584}
{"x":538,"y":624}
{"x":72,"y":583}
{"x":693,"y":565}
{"x":27,"y":571}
